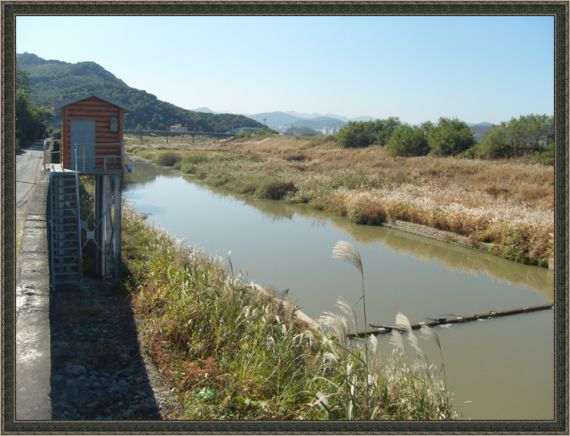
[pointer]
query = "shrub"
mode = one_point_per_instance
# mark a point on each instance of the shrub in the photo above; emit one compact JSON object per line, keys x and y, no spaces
{"x":196,"y":158}
{"x":364,"y":210}
{"x":187,"y":167}
{"x":276,"y":190}
{"x":494,"y":144}
{"x":364,"y":133}
{"x":356,"y":134}
{"x":167,"y":159}
{"x":547,"y":156}
{"x":450,"y":137}
{"x":407,"y":141}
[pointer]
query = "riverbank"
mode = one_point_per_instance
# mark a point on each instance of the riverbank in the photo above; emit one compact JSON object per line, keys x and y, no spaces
{"x":503,"y":207}
{"x":229,"y":352}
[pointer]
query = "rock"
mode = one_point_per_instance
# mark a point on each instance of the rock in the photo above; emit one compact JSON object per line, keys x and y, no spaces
{"x":76,"y":370}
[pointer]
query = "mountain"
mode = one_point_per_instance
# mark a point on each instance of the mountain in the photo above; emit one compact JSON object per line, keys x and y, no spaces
{"x":205,"y":110}
{"x":316,"y":115}
{"x":283,"y":121}
{"x":275,"y":120}
{"x":320,"y":123}
{"x":53,"y":82}
{"x":479,"y":129}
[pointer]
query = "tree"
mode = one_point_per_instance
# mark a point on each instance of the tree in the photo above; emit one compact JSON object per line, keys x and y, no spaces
{"x":365,"y":133}
{"x":383,"y":129}
{"x":530,"y":133}
{"x":494,"y":144}
{"x":31,"y":121}
{"x":407,"y":140}
{"x":451,"y":136}
{"x":356,"y":134}
{"x":525,"y":134}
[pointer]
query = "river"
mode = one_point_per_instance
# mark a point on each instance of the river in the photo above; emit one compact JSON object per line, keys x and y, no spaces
{"x":497,"y":369}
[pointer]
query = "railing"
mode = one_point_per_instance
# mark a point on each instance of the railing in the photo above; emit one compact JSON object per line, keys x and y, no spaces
{"x":89,"y":162}
{"x":50,"y":212}
{"x":48,"y":152}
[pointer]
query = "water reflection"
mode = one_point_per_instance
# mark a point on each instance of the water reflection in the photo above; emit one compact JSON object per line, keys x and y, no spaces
{"x":453,"y":258}
{"x":503,"y":366}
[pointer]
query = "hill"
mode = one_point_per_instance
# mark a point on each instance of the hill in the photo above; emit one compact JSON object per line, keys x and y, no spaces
{"x":283,"y":121}
{"x":320,"y":123}
{"x":53,"y":82}
{"x":275,"y":120}
{"x":479,"y":129}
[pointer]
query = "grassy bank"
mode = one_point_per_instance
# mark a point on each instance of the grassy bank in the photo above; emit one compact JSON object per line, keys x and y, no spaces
{"x":508,"y":204}
{"x":231,"y":353}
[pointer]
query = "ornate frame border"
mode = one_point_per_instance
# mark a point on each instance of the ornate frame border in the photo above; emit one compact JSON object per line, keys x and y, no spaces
{"x":10,"y":9}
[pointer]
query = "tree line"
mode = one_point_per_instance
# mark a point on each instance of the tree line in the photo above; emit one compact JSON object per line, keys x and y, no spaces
{"x":31,"y":120}
{"x":453,"y":137}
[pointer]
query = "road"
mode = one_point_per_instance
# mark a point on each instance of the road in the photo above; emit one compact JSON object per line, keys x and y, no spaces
{"x":28,"y":166}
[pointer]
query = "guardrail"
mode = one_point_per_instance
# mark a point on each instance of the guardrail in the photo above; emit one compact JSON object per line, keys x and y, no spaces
{"x":89,"y":162}
{"x":84,"y":162}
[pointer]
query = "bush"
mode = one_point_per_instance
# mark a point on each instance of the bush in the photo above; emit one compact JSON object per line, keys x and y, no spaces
{"x":407,"y":141}
{"x":167,"y":159}
{"x":450,"y":137}
{"x":364,"y":210}
{"x":494,"y":144}
{"x":547,"y":156}
{"x":364,"y":133}
{"x":276,"y":190}
{"x":356,"y":134}
{"x":530,"y":133}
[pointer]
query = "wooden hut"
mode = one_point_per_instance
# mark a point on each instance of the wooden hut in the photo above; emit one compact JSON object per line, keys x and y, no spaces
{"x":92,"y":129}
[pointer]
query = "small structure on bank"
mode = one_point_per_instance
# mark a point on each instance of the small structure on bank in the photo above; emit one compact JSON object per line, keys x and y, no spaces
{"x":91,"y":145}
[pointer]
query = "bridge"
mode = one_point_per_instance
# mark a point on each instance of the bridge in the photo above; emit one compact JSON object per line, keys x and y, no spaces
{"x":168,"y":133}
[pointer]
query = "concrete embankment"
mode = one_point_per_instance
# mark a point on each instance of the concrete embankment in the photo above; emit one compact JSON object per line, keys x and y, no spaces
{"x":32,"y":312}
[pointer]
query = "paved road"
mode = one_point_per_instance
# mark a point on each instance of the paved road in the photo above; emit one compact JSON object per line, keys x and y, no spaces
{"x":28,"y":165}
{"x":33,"y":357}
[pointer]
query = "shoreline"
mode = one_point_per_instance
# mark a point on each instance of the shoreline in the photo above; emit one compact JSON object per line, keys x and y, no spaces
{"x":395,"y":224}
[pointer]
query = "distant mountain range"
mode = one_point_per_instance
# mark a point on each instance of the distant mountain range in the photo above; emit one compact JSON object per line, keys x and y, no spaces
{"x":284,"y":121}
{"x":479,"y":129}
{"x":53,"y":82}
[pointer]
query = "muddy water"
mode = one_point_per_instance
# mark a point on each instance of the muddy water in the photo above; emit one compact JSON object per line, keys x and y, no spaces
{"x":497,"y":369}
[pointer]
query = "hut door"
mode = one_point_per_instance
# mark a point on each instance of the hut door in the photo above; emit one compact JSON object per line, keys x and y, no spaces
{"x":83,"y":137}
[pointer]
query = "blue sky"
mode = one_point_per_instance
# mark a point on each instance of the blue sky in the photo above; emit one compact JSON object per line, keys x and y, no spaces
{"x":415,"y":68}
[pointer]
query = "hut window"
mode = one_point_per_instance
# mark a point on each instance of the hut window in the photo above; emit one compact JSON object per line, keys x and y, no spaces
{"x":114,"y":124}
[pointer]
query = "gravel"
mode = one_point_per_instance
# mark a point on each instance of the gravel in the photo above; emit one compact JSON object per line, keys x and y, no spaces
{"x":98,"y":370}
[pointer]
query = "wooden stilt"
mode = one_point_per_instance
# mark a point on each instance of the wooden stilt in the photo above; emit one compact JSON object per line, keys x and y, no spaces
{"x":117,"y":228}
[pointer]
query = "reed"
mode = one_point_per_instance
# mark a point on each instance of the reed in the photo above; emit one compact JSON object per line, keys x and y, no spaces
{"x":229,"y":352}
{"x":509,"y":204}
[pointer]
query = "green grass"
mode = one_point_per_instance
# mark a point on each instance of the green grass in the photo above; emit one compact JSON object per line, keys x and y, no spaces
{"x":229,"y":352}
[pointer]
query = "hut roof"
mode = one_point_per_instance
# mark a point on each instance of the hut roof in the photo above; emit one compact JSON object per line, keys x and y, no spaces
{"x":86,"y":96}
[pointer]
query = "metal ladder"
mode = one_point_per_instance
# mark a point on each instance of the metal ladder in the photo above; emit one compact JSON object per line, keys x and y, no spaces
{"x":65,"y":230}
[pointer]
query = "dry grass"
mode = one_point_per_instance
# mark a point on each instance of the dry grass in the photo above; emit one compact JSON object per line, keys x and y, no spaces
{"x":508,"y":203}
{"x":229,"y":352}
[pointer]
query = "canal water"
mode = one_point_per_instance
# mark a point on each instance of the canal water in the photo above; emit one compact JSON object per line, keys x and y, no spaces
{"x":499,"y":369}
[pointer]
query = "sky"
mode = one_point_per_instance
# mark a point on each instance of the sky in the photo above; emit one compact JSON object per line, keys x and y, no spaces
{"x":415,"y":68}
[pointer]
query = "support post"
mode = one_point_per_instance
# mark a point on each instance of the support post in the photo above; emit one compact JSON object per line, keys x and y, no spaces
{"x":117,"y":228}
{"x":108,"y":225}
{"x":98,"y":224}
